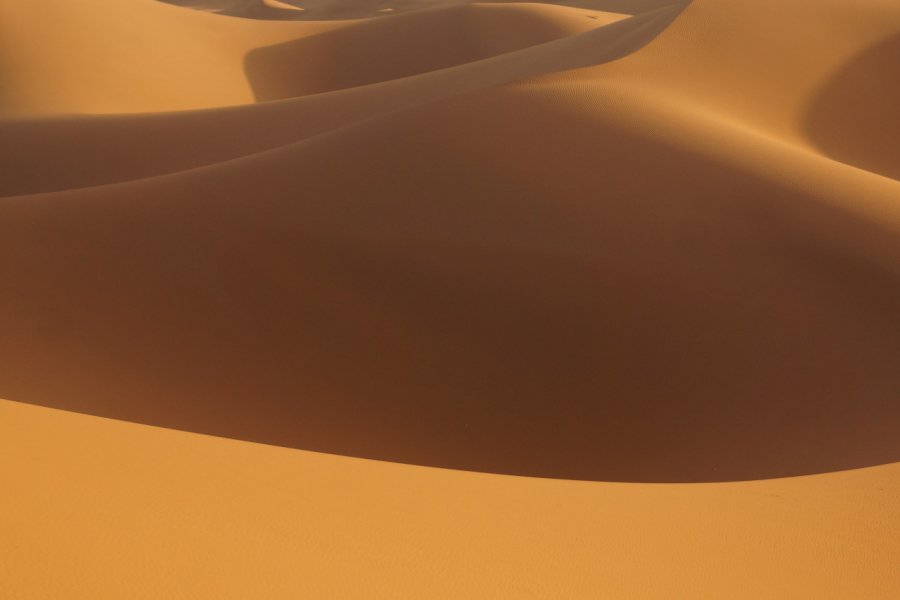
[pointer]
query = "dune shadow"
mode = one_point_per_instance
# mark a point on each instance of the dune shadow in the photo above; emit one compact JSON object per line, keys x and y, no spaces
{"x":227,"y":311}
{"x":468,"y":356}
{"x":855,"y":117}
{"x":374,"y":51}
{"x":333,"y":10}
{"x":496,"y":46}
{"x":371,"y":52}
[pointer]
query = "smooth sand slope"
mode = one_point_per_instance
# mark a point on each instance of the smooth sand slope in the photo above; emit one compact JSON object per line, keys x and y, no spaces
{"x":128,"y":511}
{"x":619,"y":241}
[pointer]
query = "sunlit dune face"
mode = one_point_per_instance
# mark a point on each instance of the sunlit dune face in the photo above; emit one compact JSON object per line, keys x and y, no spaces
{"x":595,"y":298}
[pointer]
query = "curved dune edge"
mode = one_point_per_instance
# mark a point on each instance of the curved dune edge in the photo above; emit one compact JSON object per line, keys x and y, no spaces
{"x":207,"y":136}
{"x":315,"y":10}
{"x":144,"y":56}
{"x":584,"y":258}
{"x":553,"y":241}
{"x":94,"y":508}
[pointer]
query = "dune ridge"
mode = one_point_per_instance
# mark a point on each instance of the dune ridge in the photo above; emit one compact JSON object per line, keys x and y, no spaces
{"x":646,"y":244}
{"x":275,"y":124}
{"x":520,"y":258}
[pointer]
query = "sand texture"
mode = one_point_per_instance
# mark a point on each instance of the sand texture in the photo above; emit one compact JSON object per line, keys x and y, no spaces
{"x":446,"y":299}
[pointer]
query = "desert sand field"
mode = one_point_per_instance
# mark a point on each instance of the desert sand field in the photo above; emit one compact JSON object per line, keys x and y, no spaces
{"x":447,"y":299}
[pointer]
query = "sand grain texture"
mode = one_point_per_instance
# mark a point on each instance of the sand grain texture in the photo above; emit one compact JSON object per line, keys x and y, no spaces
{"x":650,"y":245}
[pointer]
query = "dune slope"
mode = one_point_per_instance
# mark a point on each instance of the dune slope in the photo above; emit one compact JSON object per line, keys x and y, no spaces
{"x":108,"y":509}
{"x":653,"y":245}
{"x":672,"y":285}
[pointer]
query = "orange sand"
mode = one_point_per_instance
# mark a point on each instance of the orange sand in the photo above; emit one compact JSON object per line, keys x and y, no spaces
{"x":648,"y":244}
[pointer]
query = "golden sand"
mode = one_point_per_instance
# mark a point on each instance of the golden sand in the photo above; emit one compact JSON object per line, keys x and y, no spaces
{"x":358,"y":299}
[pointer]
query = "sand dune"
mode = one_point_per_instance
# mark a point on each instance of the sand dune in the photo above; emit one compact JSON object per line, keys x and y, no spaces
{"x":149,"y":513}
{"x":618,"y":241}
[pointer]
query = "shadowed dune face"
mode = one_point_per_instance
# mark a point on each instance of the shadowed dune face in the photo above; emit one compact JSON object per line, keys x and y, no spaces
{"x":464,"y":238}
{"x":407,"y":45}
{"x":207,"y":137}
{"x":495,"y":323}
{"x":313,"y":10}
{"x":854,"y":118}
{"x":508,"y":244}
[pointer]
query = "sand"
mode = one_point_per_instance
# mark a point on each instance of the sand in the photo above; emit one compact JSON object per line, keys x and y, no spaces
{"x":449,"y":299}
{"x":107,"y":509}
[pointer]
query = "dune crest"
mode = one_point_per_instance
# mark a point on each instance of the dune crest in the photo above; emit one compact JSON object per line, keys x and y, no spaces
{"x":638,"y":243}
{"x":390,"y":232}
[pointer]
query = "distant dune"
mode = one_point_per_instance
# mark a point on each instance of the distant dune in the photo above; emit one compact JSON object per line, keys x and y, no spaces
{"x":632,"y":242}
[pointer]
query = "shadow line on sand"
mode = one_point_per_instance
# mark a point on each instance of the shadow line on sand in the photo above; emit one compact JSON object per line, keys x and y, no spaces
{"x":855,"y":117}
{"x":333,"y":10}
{"x":446,"y":62}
